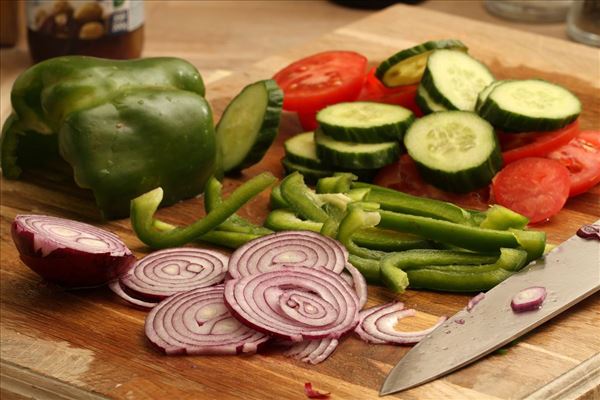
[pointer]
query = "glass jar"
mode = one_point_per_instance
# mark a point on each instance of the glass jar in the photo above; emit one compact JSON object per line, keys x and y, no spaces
{"x":100,"y":28}
{"x":530,"y":10}
{"x":583,"y":22}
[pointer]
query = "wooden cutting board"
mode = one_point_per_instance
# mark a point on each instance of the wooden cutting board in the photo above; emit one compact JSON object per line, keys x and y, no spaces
{"x":88,"y":345}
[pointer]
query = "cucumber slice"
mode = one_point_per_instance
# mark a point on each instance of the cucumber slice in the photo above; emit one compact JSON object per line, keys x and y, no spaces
{"x":355,"y":155}
{"x":454,"y":79}
{"x":301,"y":150}
{"x":365,"y":122}
{"x":530,"y":105}
{"x":454,"y":150}
{"x":406,"y":67}
{"x":486,"y":92}
{"x":311,"y":175}
{"x":426,"y":103}
{"x":249,"y":125}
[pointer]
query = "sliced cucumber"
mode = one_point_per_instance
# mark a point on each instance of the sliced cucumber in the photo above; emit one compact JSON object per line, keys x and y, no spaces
{"x":486,"y":92}
{"x":365,"y":122}
{"x":301,"y":150}
{"x":426,"y":103}
{"x":249,"y":125}
{"x":311,"y":175}
{"x":406,"y":67}
{"x":355,"y":155}
{"x":454,"y":150}
{"x":454,"y":79}
{"x":530,"y":105}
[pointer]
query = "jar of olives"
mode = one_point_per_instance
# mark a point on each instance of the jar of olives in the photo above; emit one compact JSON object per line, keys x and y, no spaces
{"x":100,"y":28}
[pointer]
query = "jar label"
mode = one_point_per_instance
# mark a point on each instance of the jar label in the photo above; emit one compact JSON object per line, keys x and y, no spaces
{"x":89,"y":19}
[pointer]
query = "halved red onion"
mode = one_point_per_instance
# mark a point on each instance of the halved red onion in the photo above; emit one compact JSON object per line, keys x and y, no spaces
{"x":115,"y":286}
{"x":163,"y":273}
{"x":294,"y":303}
{"x":358,"y":283}
{"x":474,"y":301}
{"x":314,"y":394}
{"x":287,"y":248}
{"x":70,"y":253}
{"x":528,"y":299}
{"x":378,"y":325}
{"x":198,"y":322}
{"x":312,"y":351}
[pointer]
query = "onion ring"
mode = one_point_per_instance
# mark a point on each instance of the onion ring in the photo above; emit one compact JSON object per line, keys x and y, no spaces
{"x":358,"y":283}
{"x":197,"y":322}
{"x":312,"y":351}
{"x":287,"y":248}
{"x":115,"y":286}
{"x":294,"y":303}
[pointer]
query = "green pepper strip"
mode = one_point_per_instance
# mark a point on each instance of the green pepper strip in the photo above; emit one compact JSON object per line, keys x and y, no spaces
{"x":450,"y":270}
{"x":231,"y":240}
{"x":144,"y":207}
{"x":276,"y":200}
{"x":356,"y":219}
{"x":368,"y":268}
{"x":283,"y":219}
{"x":340,"y":182}
{"x":235,"y":223}
{"x":393,"y":200}
{"x":502,"y":218}
{"x":301,"y":199}
{"x":466,"y":237}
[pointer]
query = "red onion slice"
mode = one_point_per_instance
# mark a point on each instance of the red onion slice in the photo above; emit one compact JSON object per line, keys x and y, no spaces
{"x":287,"y":248}
{"x":197,"y":322}
{"x":379,"y":324}
{"x":474,"y":301}
{"x":312,"y":351}
{"x":70,"y":253}
{"x":529,"y":299}
{"x":358,"y":283}
{"x":294,"y":303}
{"x":314,"y":394}
{"x":163,"y":273}
{"x":364,"y":314}
{"x":590,"y":231}
{"x":115,"y":286}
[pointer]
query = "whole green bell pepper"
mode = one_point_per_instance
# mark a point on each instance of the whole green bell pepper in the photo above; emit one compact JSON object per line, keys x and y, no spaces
{"x":125,"y":127}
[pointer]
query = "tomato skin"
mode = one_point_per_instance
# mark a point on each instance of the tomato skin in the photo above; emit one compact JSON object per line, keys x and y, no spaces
{"x":321,"y":79}
{"x":374,"y":90}
{"x":535,"y":144}
{"x":581,"y":156}
{"x":535,"y":187}
{"x":308,"y":120}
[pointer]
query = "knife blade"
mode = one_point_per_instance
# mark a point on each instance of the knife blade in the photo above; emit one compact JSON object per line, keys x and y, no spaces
{"x":570,"y":273}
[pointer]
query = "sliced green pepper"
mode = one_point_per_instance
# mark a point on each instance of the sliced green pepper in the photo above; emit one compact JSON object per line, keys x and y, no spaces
{"x":283,"y":219}
{"x":356,"y":219}
{"x":144,"y":207}
{"x":276,"y":200}
{"x":368,"y":268}
{"x":231,"y":240}
{"x":301,"y":199}
{"x":340,"y":182}
{"x":498,"y":217}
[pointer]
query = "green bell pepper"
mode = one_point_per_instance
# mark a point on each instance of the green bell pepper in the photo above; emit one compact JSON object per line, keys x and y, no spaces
{"x":125,"y":127}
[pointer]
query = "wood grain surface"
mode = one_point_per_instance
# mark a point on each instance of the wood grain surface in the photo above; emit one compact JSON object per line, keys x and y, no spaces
{"x":87,"y":344}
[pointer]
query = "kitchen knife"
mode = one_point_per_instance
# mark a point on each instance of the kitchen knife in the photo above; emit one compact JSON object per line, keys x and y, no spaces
{"x":569,"y":273}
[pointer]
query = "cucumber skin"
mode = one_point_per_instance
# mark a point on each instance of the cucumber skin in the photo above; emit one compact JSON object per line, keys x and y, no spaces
{"x":436,"y":95}
{"x":376,"y":134}
{"x":337,"y":160}
{"x":268,"y":129}
{"x":415,"y":51}
{"x":423,"y":105}
{"x":510,"y":122}
{"x":311,"y":175}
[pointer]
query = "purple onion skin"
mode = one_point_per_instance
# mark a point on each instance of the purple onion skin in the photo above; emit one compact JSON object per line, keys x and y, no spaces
{"x":70,"y":267}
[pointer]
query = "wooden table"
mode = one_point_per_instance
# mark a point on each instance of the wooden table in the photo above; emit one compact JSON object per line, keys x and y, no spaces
{"x":86,"y":344}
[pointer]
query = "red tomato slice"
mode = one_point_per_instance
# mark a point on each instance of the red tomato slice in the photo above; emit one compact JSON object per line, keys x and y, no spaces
{"x":308,"y":120}
{"x":535,"y":144}
{"x":374,"y":90}
{"x":404,"y":177}
{"x":321,"y":79}
{"x":535,"y":187}
{"x":581,"y":156}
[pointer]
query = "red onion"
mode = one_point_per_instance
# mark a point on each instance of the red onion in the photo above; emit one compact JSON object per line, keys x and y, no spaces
{"x":115,"y":286}
{"x":359,"y":284}
{"x":70,"y":253}
{"x":314,"y":394}
{"x":163,"y":273}
{"x":294,"y":303}
{"x":528,"y":299}
{"x":591,"y":231}
{"x":474,"y":301}
{"x":312,"y":351}
{"x":360,"y":331}
{"x":287,"y":248}
{"x":378,"y":325}
{"x":197,"y":322}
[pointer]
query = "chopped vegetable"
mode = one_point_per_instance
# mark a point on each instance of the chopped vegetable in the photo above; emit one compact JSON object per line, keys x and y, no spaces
{"x":474,"y":301}
{"x":374,"y":90}
{"x":294,"y":303}
{"x":314,"y":394}
{"x":535,"y":187}
{"x":70,"y":253}
{"x":197,"y":322}
{"x":529,"y":299}
{"x":312,"y":351}
{"x":116,"y":287}
{"x":359,"y":284}
{"x":591,"y":231}
{"x":163,"y":273}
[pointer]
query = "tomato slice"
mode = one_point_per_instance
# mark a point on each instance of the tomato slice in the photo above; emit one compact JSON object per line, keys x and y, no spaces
{"x":535,"y":187}
{"x":308,"y":120}
{"x":374,"y":90}
{"x":535,"y":144}
{"x":321,"y":79}
{"x":581,"y":156}
{"x":404,"y":177}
